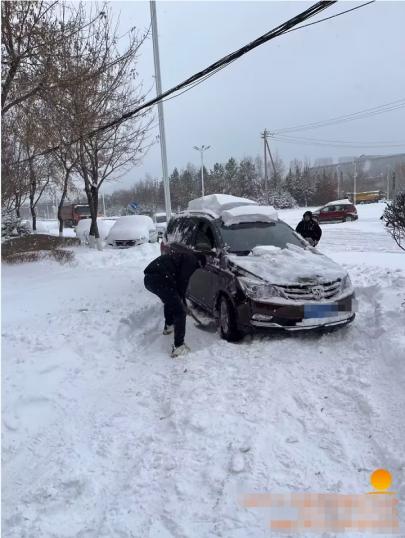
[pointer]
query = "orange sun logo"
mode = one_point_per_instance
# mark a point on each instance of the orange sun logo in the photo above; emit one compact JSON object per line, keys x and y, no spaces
{"x":381,"y":480}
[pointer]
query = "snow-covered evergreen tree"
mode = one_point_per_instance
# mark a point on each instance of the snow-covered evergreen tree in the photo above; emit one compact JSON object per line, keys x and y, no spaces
{"x":13,"y":226}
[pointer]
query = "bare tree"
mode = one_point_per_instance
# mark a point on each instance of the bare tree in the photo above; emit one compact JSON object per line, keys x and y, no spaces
{"x":33,"y":135}
{"x":33,"y":35}
{"x":15,"y":184}
{"x":97,"y":100}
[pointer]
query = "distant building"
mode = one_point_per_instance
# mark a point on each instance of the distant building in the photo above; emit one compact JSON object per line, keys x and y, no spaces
{"x":372,"y":170}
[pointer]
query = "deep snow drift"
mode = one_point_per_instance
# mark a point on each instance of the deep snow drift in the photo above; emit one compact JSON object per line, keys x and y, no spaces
{"x":106,"y":436}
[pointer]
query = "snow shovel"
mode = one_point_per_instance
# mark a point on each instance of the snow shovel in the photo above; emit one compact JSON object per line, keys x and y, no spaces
{"x":210,"y":327}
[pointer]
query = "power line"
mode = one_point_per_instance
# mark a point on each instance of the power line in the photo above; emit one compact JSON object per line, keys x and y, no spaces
{"x":287,"y":32}
{"x":275,"y":32}
{"x":366,"y":113}
{"x":214,"y":68}
{"x":331,"y":17}
{"x":336,"y":143}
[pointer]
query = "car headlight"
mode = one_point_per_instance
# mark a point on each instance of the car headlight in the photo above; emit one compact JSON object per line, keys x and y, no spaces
{"x":256,"y":289}
{"x":346,"y":283}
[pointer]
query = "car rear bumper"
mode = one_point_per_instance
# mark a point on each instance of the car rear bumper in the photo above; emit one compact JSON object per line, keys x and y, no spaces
{"x":301,"y":317}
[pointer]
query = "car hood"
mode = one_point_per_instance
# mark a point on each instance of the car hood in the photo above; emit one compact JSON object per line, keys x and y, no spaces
{"x":287,"y":266}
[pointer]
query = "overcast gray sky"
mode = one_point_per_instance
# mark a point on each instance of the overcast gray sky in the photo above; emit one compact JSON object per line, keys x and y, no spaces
{"x":341,"y":66}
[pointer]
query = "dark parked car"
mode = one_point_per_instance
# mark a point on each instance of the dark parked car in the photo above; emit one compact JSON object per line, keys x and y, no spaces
{"x":260,"y":273}
{"x":339,"y":211}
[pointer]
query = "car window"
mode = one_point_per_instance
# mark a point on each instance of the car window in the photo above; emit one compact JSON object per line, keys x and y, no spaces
{"x":181,"y":230}
{"x":172,"y":225}
{"x":204,"y":238}
{"x":243,"y":237}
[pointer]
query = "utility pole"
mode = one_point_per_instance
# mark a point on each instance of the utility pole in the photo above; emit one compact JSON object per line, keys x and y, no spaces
{"x":265,"y":135}
{"x":266,"y":178}
{"x":158,"y":79}
{"x":201,"y":150}
{"x":355,"y":181}
{"x":338,"y":181}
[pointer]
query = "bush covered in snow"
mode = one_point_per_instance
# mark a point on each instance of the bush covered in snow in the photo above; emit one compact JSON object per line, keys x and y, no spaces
{"x":282,"y":200}
{"x":13,"y":226}
{"x":394,"y":218}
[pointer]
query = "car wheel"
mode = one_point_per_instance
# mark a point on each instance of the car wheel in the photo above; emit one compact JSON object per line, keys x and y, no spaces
{"x":227,"y":320}
{"x":347,"y":219}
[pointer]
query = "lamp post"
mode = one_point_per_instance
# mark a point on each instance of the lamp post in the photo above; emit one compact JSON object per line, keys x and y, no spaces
{"x":162,"y":138}
{"x":355,"y":181}
{"x":201,"y":150}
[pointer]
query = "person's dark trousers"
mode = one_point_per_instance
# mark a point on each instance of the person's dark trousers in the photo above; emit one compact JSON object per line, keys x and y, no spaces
{"x":174,"y":308}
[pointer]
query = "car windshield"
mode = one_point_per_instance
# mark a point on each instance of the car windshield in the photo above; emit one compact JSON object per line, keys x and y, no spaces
{"x":242,"y":238}
{"x":82,"y":210}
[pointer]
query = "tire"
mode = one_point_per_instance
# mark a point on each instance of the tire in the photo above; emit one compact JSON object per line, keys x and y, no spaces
{"x":227,"y":320}
{"x":347,"y":219}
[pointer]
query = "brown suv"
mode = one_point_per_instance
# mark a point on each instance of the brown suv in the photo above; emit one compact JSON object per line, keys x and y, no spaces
{"x":259,"y":272}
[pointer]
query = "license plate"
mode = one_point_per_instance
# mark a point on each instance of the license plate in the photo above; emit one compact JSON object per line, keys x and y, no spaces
{"x":320,"y":310}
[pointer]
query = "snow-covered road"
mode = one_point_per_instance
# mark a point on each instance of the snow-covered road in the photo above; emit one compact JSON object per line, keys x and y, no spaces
{"x":105,"y":436}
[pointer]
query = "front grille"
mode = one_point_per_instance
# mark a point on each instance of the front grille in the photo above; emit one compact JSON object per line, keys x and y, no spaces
{"x":312,"y":292}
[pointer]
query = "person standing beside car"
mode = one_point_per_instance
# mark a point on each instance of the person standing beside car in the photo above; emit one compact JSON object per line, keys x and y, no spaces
{"x":309,"y":229}
{"x":167,"y":277}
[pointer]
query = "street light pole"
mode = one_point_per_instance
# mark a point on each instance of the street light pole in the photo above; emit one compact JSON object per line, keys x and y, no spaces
{"x":201,"y":150}
{"x":338,"y":181}
{"x":355,"y":182}
{"x":156,"y":58}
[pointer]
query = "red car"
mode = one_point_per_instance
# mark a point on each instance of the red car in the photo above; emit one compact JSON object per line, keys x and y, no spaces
{"x":339,"y":211}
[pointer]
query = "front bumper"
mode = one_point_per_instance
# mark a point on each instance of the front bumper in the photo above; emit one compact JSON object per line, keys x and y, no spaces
{"x":297,"y":317}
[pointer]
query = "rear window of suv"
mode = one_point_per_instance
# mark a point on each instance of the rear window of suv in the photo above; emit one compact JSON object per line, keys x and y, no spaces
{"x":181,"y":230}
{"x":242,"y":238}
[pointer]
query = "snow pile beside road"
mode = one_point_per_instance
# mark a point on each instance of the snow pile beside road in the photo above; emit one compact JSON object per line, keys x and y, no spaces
{"x":51,"y":227}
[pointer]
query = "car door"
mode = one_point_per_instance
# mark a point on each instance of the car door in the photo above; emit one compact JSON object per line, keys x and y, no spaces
{"x":340,"y":212}
{"x":330,"y":213}
{"x":203,"y":282}
{"x":323,"y":213}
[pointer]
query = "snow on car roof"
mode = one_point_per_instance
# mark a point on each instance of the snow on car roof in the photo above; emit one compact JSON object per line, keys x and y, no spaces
{"x":250,"y":213}
{"x":131,"y":227}
{"x":217,"y":203}
{"x":135,"y":220}
{"x":346,"y":201}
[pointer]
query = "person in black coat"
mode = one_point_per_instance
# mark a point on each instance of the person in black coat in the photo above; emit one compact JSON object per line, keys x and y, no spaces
{"x":309,"y":229}
{"x":167,"y":277}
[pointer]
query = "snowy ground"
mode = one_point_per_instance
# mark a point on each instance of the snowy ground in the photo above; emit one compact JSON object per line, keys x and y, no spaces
{"x":51,"y":227}
{"x":105,"y":436}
